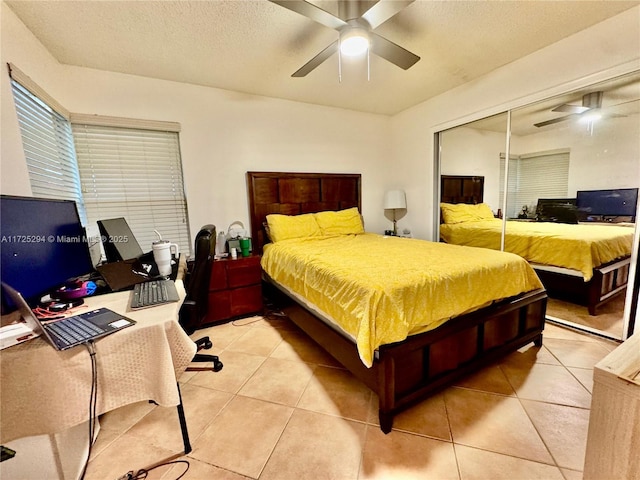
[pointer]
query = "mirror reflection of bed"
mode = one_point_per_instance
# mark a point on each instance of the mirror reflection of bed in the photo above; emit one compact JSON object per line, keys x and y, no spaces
{"x":555,"y":159}
{"x":550,"y":151}
{"x":582,"y":259}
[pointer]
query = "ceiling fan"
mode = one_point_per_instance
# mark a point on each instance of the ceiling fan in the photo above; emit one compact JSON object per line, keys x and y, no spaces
{"x":590,"y":101}
{"x":356,"y":30}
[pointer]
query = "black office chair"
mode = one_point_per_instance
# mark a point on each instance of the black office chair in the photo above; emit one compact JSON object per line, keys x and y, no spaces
{"x":195,"y":305}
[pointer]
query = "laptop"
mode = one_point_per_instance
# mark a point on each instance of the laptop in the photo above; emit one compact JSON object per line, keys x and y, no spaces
{"x":70,"y":331}
{"x":122,"y":275}
{"x":126,"y":274}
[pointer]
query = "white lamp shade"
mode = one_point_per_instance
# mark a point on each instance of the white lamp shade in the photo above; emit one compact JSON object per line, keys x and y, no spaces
{"x":395,"y":199}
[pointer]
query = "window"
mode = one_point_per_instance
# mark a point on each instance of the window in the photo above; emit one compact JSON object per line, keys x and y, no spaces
{"x":112,"y":167}
{"x":534,"y":176}
{"x":48,"y":144}
{"x":134,"y":173}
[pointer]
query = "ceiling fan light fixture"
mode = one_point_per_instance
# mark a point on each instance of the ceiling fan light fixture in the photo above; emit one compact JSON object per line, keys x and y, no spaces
{"x":356,"y":33}
{"x":590,"y":117}
{"x":354,"y":41}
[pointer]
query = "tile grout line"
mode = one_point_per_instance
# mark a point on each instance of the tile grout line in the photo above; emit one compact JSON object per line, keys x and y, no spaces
{"x":549,"y":403}
{"x":453,"y":441}
{"x":527,"y":413}
{"x":275,"y":445}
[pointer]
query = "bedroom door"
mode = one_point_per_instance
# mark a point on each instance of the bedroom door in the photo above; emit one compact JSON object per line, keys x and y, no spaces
{"x":554,"y":153}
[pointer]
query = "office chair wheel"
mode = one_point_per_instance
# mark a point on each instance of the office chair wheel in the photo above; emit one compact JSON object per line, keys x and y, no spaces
{"x":204,"y":343}
{"x":217,"y":365}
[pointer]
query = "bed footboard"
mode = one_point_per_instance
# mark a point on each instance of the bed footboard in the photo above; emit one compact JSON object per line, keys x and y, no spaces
{"x":411,"y":370}
{"x":406,"y":372}
{"x":607,"y":283}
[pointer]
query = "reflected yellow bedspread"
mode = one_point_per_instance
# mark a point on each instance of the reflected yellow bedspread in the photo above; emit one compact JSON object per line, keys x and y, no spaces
{"x":382,"y":289}
{"x":579,"y":247}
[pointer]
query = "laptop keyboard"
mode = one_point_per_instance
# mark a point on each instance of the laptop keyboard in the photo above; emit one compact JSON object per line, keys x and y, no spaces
{"x":73,"y":329}
{"x":148,"y":294}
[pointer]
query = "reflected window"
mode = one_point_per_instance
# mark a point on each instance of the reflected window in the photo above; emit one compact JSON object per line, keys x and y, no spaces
{"x":534,"y":176}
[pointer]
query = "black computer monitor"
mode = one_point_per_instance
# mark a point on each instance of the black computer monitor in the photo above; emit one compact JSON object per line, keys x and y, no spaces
{"x":43,"y":245}
{"x":557,"y":210}
{"x":118,"y":240}
{"x":608,"y":204}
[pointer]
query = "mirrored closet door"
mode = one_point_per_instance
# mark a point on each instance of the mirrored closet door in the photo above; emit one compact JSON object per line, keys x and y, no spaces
{"x":573,"y":160}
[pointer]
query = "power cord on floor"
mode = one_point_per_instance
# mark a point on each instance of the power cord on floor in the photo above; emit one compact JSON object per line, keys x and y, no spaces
{"x":143,"y":472}
{"x":270,"y":312}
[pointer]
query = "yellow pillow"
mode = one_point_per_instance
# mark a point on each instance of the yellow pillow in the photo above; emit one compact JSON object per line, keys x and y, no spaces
{"x":343,"y":222}
{"x":462,"y":212}
{"x":285,"y":227}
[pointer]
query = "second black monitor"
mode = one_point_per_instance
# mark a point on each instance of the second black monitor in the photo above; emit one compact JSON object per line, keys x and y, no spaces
{"x":118,"y":241}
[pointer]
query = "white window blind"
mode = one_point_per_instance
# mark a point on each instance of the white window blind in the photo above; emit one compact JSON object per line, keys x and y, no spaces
{"x":48,"y":147}
{"x":544,"y":175}
{"x":512,"y":186}
{"x":535,"y":176}
{"x":136,"y":174}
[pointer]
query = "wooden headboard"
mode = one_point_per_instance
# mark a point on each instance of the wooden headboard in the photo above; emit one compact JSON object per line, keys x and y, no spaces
{"x":290,"y":193}
{"x":461,"y":189}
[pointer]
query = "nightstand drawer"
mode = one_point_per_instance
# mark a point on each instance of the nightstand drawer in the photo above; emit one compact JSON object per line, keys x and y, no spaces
{"x":242,"y":272}
{"x":246,"y":300}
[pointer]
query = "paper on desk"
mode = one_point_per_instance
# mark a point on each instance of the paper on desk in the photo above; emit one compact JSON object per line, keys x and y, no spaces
{"x":14,"y":334}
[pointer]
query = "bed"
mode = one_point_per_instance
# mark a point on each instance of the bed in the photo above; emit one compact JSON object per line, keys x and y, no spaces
{"x":402,"y":365}
{"x":586,"y":264}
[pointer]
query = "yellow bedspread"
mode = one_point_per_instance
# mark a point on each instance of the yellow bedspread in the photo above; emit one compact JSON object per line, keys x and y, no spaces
{"x":382,"y":289}
{"x":579,"y":247}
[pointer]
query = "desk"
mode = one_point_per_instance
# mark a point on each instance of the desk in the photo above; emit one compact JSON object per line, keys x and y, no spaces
{"x":45,"y":391}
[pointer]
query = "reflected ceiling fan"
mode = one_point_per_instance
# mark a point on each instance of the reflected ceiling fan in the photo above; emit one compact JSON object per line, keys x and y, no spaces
{"x":356,"y":30}
{"x":591,"y":102}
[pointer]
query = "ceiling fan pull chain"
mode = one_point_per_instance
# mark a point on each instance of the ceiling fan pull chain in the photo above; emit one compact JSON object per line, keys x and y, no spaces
{"x":339,"y":63}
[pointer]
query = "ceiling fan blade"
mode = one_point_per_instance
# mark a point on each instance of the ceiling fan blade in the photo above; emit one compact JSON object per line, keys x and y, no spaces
{"x":390,"y":51}
{"x":589,"y":101}
{"x":383,"y":11}
{"x":552,"y":121}
{"x":311,"y":11}
{"x":317,"y":60}
{"x":566,"y":108}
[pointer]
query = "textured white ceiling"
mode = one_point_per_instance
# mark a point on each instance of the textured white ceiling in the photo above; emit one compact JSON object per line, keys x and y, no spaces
{"x":254,"y":46}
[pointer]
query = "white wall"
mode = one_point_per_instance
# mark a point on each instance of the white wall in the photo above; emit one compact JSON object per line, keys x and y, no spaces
{"x":468,"y":151}
{"x":224,"y":134}
{"x":608,"y":158}
{"x":605,"y":50}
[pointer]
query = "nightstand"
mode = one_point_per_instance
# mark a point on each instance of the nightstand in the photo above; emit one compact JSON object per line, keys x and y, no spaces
{"x":235,"y":288}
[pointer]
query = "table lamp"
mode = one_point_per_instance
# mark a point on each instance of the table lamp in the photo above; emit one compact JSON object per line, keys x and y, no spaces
{"x":395,"y":200}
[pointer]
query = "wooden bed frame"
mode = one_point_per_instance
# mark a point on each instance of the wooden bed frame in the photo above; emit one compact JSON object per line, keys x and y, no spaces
{"x":404,"y":372}
{"x":608,"y":280}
